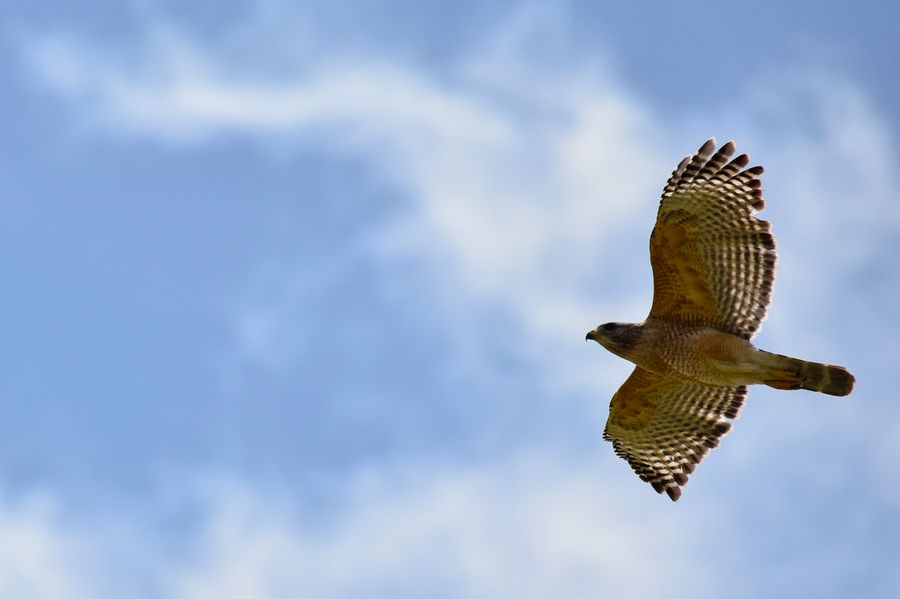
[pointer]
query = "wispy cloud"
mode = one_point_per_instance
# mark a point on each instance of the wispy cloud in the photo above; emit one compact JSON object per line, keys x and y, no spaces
{"x":39,"y":556}
{"x":514,"y":190}
{"x":531,"y":191}
{"x":528,"y":527}
{"x":519,"y":198}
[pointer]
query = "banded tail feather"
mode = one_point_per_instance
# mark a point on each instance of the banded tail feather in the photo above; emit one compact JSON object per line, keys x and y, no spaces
{"x":783,"y":372}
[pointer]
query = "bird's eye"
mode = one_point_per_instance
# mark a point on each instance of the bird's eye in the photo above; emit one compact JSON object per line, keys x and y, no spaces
{"x":608,"y":327}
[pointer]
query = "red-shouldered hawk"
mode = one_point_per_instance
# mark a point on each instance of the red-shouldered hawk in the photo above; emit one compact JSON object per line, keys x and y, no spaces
{"x":713,"y":268}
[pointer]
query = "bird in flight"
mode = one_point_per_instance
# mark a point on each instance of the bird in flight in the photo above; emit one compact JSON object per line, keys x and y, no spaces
{"x":713,"y":268}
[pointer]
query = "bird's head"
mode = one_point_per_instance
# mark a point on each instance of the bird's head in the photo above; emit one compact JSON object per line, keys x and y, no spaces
{"x":617,"y":337}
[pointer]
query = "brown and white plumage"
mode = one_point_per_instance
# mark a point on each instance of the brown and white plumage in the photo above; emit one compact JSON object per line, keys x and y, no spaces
{"x":713,"y":269}
{"x":713,"y":260}
{"x":663,"y":426}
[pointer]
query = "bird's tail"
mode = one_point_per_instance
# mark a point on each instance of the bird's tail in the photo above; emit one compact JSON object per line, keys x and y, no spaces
{"x":783,"y":372}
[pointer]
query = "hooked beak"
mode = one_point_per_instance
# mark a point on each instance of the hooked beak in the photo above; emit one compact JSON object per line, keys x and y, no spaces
{"x":591,"y":336}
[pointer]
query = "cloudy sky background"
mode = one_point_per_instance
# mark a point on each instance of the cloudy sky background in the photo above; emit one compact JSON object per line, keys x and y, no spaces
{"x":296,"y":297}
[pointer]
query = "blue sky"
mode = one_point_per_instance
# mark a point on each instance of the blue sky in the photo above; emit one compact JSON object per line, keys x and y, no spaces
{"x":296,"y":298}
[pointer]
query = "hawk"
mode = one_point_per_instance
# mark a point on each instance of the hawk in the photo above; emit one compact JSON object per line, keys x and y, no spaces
{"x":713,"y":268}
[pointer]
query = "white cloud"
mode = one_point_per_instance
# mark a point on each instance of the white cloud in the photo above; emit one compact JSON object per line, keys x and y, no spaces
{"x":517,"y":174}
{"x":513,"y":199}
{"x":528,"y":187}
{"x":530,"y":528}
{"x":524,"y":199}
{"x":39,"y":557}
{"x":514,"y":189}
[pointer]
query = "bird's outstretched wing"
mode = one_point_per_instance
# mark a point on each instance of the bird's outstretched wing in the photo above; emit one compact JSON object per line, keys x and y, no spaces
{"x":713,"y":261}
{"x":664,"y":426}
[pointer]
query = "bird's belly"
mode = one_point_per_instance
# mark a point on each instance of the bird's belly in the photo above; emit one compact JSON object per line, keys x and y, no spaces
{"x":711,"y":357}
